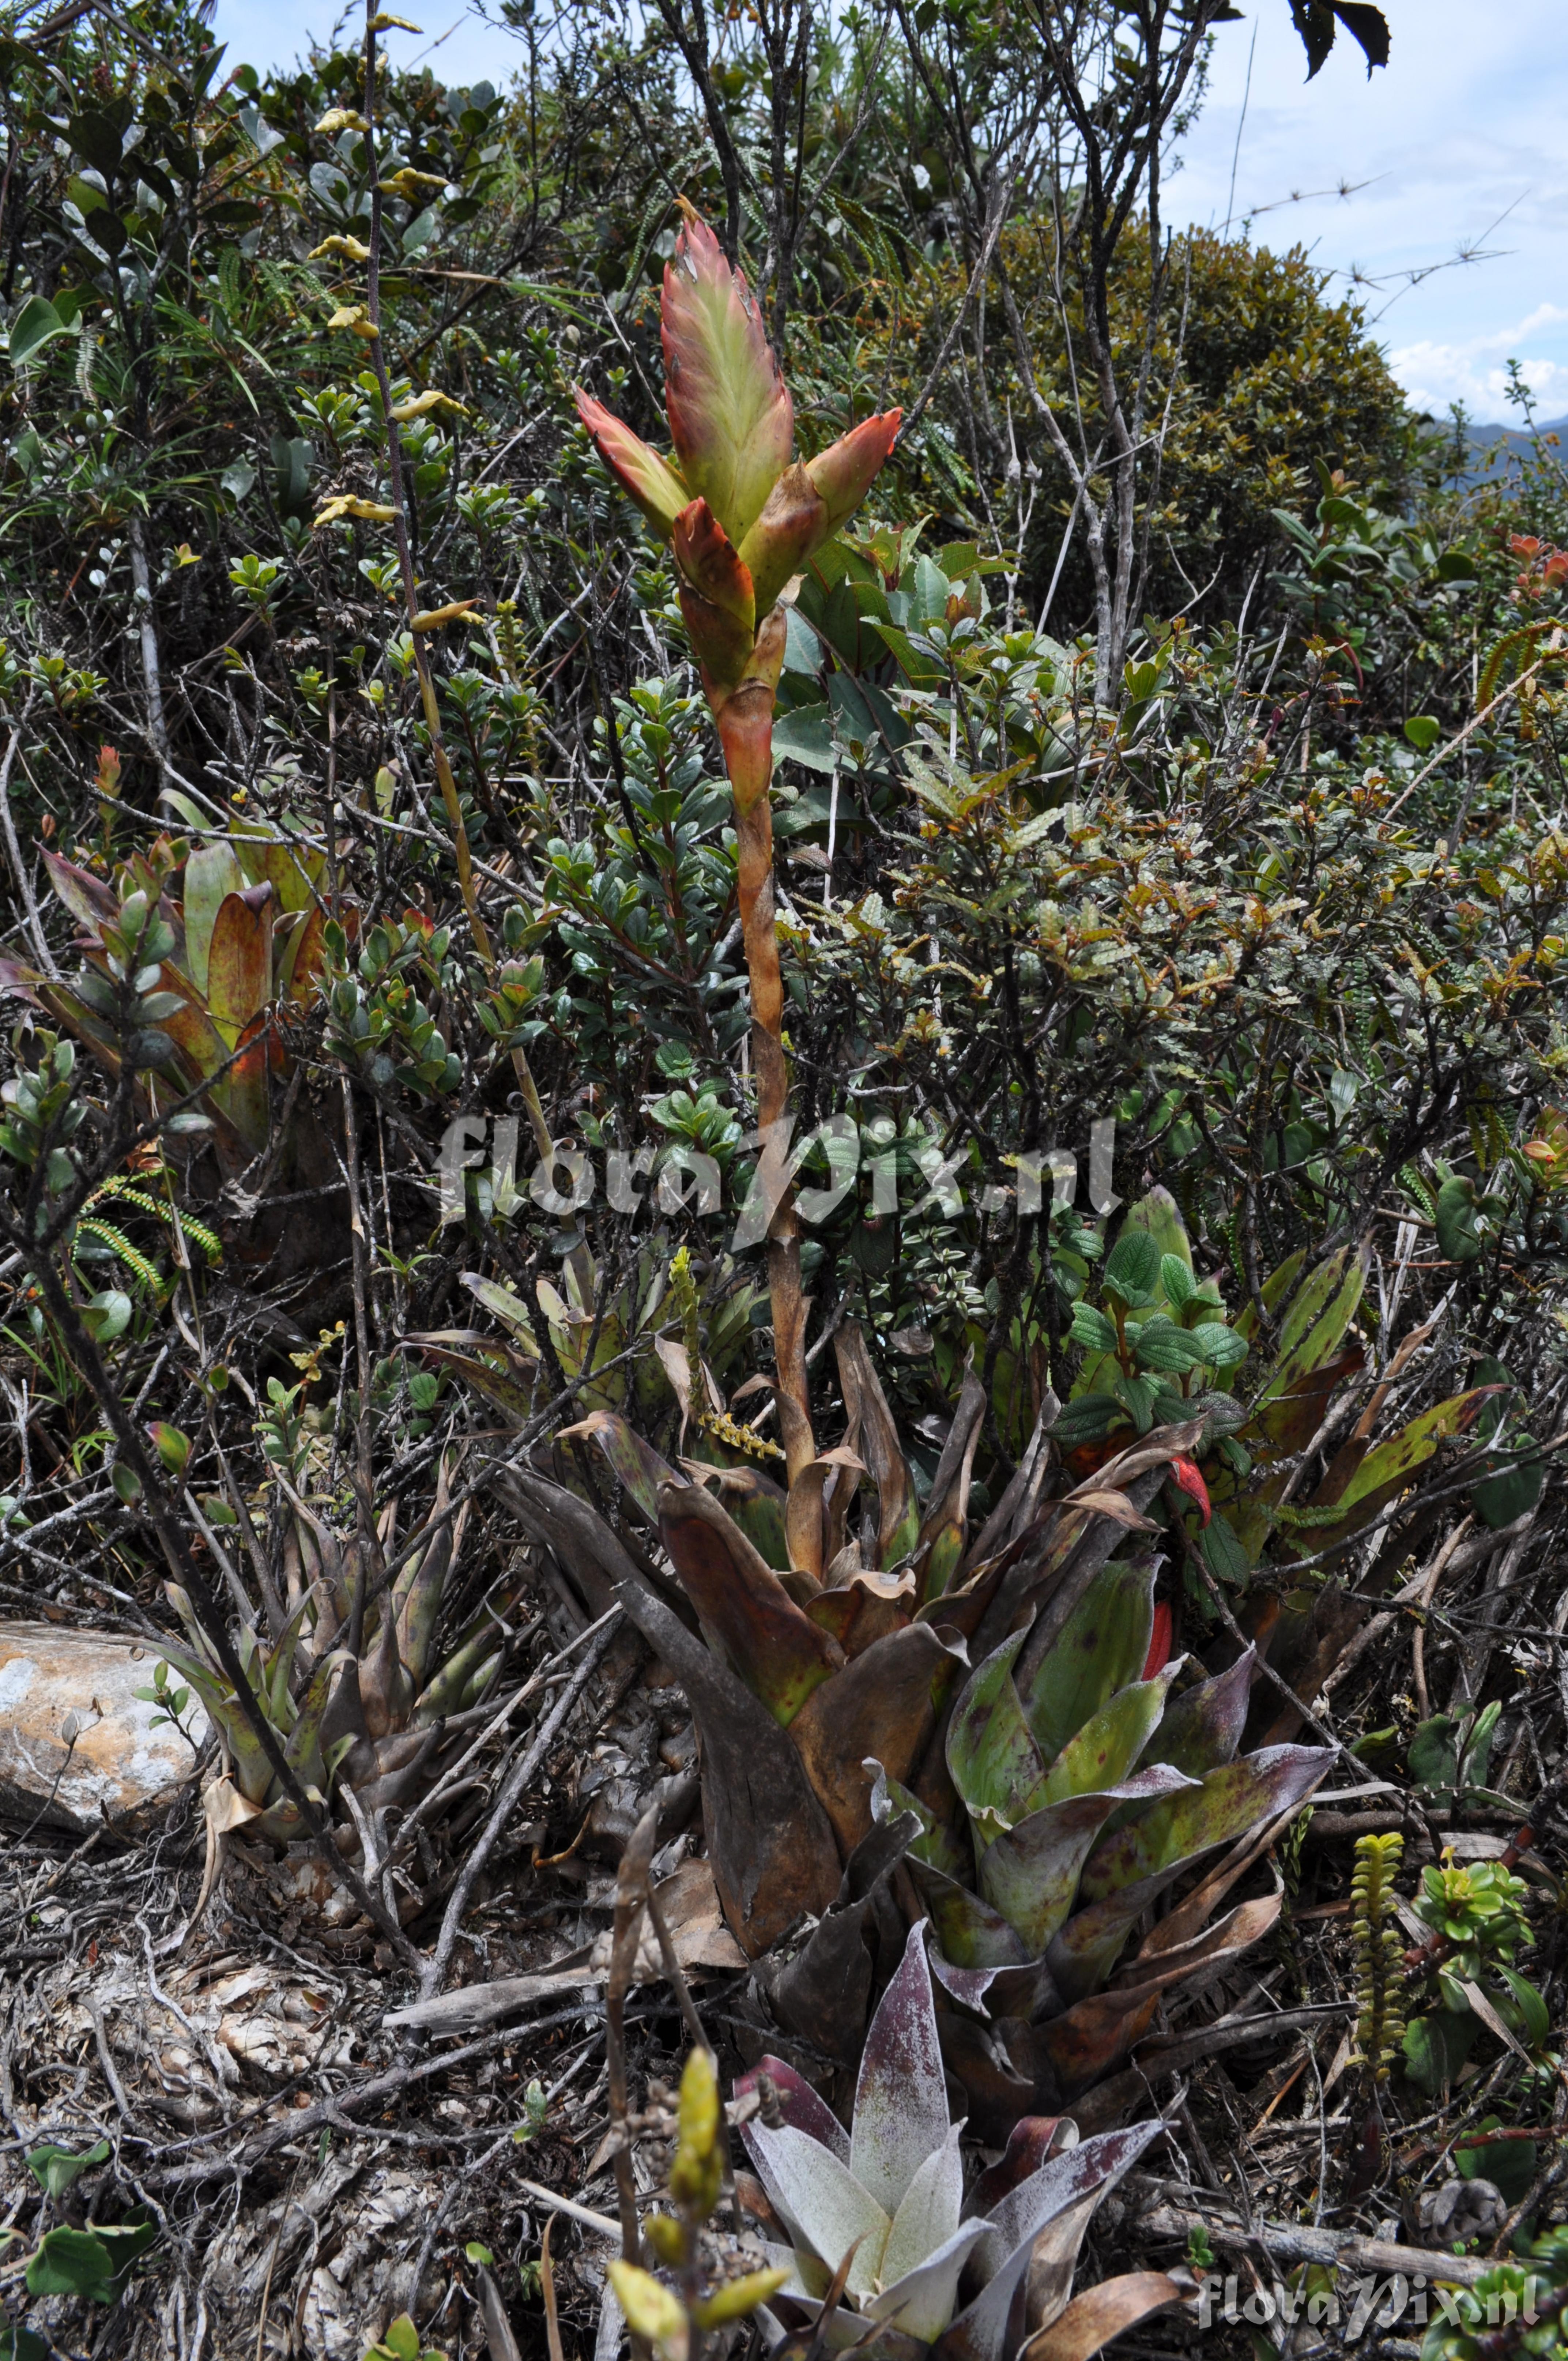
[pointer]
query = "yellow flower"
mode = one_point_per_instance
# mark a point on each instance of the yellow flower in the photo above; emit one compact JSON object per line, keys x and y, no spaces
{"x":350,"y":504}
{"x":420,"y":405}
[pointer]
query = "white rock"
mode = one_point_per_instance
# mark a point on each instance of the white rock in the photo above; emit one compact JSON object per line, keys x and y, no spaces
{"x":64,"y":1772}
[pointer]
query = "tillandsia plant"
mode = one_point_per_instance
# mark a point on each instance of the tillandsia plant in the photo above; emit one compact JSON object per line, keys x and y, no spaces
{"x":238,"y":943}
{"x":878,"y":2217}
{"x":347,"y":1672}
{"x":802,"y":1685}
{"x":1089,"y":1775}
{"x":743,"y":517}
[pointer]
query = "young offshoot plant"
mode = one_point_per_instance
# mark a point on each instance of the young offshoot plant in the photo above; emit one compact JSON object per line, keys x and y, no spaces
{"x":884,"y":2229}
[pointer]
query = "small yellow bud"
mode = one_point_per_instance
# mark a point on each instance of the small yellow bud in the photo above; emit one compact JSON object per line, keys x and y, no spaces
{"x":697,"y":2167}
{"x":383,"y":23}
{"x":698,"y":2113}
{"x":738,"y":2299}
{"x":667,"y":2237}
{"x":651,"y":2310}
{"x":341,"y":119}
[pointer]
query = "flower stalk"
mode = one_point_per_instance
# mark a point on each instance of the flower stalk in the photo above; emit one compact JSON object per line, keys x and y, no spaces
{"x":743,"y":517}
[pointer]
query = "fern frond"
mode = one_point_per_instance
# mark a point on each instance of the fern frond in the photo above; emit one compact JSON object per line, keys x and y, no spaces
{"x":119,"y":1244}
{"x":1414,"y":1186}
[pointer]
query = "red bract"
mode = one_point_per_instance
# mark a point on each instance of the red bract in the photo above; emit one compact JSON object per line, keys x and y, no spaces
{"x":1159,"y":1641}
{"x":1185,"y":1474}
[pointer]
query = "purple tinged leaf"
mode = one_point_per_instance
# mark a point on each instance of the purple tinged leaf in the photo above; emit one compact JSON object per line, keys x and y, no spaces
{"x":1045,"y":2218}
{"x":881,"y":1707}
{"x":825,"y":2200}
{"x":927,"y":2215}
{"x":1024,"y":1991}
{"x":805,"y":2109}
{"x":747,"y":1615}
{"x":1102,"y":1646}
{"x":1203,"y":1727}
{"x":1111,"y":1741}
{"x":1029,"y":2144}
{"x":1231,"y":1800}
{"x":995,"y":1761}
{"x":901,"y":2097}
{"x":88,"y":899}
{"x":1082,"y":2045}
{"x":1090,"y":2168}
{"x":635,"y":1463}
{"x":1031,"y":1874}
{"x":1083,"y":1952}
{"x":969,"y":1933}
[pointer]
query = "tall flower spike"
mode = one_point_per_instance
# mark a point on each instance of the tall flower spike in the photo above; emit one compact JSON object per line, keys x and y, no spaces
{"x":744,"y":519}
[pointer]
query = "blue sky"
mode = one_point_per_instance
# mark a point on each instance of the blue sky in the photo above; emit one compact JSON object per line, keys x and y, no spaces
{"x":1468,"y":124}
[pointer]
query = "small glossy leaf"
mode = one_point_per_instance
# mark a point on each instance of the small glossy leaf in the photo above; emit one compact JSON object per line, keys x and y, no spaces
{"x":1436,"y":2045}
{"x":56,"y":2168}
{"x":32,"y":328}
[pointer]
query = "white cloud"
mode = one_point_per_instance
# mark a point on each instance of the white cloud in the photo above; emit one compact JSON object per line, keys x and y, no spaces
{"x":1458,"y":141}
{"x":1434,"y":373}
